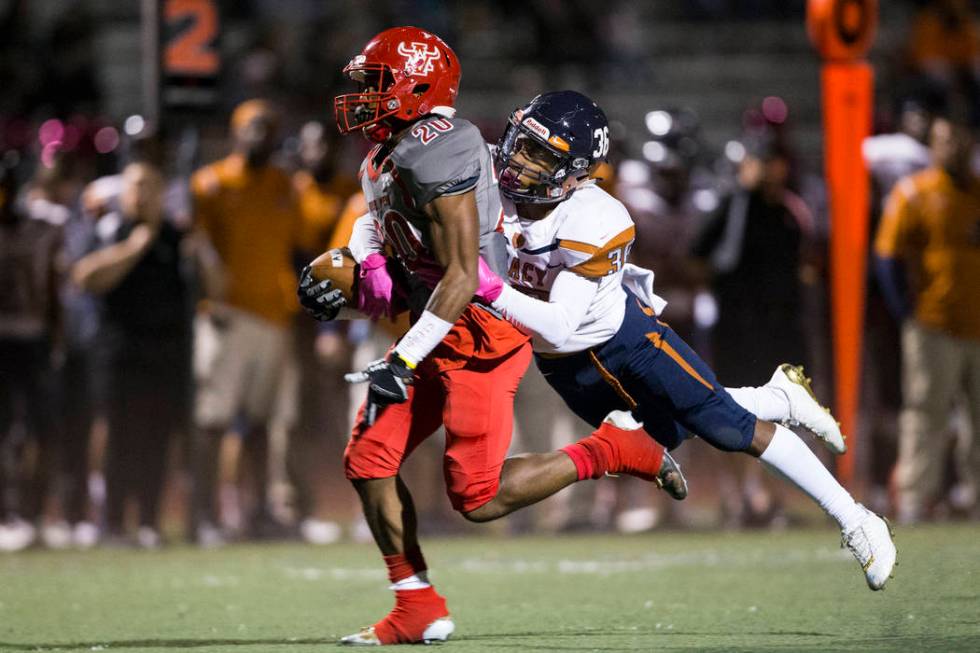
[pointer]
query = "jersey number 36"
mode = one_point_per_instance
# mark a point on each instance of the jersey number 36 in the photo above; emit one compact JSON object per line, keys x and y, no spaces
{"x":601,"y":138}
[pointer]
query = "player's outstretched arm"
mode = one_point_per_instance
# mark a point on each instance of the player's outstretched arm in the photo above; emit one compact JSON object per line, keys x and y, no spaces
{"x":555,"y":320}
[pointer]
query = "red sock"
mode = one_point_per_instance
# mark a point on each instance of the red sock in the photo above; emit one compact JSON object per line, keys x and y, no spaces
{"x":617,"y":451}
{"x":414,"y":611}
{"x":403,"y":565}
{"x":587,"y":464}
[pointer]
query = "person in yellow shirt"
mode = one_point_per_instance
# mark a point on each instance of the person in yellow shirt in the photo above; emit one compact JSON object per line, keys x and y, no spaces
{"x":928,"y":261}
{"x":247,"y":209}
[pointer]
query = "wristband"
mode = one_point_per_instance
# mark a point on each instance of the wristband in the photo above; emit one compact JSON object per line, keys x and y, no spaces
{"x":422,"y":338}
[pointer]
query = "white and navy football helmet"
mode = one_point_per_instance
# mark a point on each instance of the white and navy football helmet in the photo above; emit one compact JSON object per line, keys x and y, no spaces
{"x":550,"y":147}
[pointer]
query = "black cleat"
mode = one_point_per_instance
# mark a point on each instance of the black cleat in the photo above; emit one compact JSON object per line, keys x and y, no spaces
{"x":671,"y":479}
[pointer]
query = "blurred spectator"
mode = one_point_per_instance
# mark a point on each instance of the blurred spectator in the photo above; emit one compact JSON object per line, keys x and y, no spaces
{"x":322,"y":194}
{"x":143,"y":346}
{"x":101,"y":196}
{"x":753,"y":247}
{"x":321,"y":190}
{"x":928,"y":246}
{"x":944,"y":49}
{"x":889,"y":157}
{"x":29,"y":328}
{"x":52,"y":198}
{"x":669,"y":194}
{"x":247,"y":208}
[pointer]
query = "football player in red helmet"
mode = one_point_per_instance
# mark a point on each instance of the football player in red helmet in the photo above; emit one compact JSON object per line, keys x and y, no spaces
{"x":404,"y":74}
{"x":434,"y":209}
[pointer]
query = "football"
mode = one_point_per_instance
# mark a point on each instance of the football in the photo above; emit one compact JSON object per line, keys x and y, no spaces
{"x":340,"y":268}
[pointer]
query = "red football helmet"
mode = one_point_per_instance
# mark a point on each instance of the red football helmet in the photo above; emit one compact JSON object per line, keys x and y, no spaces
{"x":403,"y":73}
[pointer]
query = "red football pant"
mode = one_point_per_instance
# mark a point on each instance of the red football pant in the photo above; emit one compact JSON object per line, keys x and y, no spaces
{"x":476,"y":406}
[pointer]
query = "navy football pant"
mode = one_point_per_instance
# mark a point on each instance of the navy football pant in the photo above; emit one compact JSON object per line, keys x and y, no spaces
{"x":648,"y":369}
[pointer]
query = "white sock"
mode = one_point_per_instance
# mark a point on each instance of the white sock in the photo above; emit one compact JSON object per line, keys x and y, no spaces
{"x":791,"y":458}
{"x":413,"y":582}
{"x":769,"y":404}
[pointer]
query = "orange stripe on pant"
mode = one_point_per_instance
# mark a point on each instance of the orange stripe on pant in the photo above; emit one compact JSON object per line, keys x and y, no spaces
{"x":612,"y":381}
{"x":649,"y":313}
{"x":665,"y":347}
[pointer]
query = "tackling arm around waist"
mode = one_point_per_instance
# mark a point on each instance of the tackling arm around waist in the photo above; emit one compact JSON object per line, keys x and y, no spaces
{"x":555,"y":320}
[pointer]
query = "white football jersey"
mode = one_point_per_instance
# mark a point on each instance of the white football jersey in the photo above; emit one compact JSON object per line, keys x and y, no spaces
{"x":590,"y":234}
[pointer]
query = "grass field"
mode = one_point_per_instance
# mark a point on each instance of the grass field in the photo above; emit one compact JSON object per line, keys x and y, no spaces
{"x":793,"y":591}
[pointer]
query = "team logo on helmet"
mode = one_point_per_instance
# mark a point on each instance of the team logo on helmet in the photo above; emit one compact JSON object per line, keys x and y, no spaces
{"x":419,"y":59}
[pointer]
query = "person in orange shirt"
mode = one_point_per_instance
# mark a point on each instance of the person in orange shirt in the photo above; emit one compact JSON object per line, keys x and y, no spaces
{"x":321,"y":349}
{"x":928,"y":260}
{"x":944,"y":39}
{"x":321,"y":192}
{"x":247,"y":208}
{"x":355,"y":207}
{"x":944,"y":51}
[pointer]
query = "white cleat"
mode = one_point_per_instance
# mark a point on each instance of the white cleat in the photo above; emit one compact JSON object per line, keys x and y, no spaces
{"x":438,"y":631}
{"x":873,"y":548}
{"x":804,"y":409}
{"x":623,"y":419}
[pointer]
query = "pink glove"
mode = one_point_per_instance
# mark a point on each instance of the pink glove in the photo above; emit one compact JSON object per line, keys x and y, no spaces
{"x":374,"y":288}
{"x":490,"y":284}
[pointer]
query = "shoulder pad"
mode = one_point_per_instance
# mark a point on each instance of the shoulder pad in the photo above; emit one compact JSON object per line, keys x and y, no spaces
{"x":595,"y":238}
{"x":440,"y":156}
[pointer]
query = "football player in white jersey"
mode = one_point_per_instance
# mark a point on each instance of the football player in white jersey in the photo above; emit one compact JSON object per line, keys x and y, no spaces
{"x":596,"y":336}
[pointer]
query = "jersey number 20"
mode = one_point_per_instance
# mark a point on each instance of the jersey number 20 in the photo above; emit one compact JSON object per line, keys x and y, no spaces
{"x":430,"y":130}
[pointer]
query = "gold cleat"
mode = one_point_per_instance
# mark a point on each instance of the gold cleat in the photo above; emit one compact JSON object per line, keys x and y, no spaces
{"x":804,"y":409}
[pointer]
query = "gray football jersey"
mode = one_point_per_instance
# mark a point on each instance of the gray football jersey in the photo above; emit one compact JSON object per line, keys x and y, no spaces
{"x":438,"y":156}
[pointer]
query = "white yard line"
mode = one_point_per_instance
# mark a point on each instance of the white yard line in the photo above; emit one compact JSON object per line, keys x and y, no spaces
{"x":604,"y":567}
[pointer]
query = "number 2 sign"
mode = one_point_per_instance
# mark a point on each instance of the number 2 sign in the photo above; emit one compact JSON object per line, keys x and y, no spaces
{"x":191,"y":42}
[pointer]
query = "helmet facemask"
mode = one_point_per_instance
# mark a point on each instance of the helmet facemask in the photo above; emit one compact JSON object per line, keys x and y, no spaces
{"x":374,"y":103}
{"x":532,"y":171}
